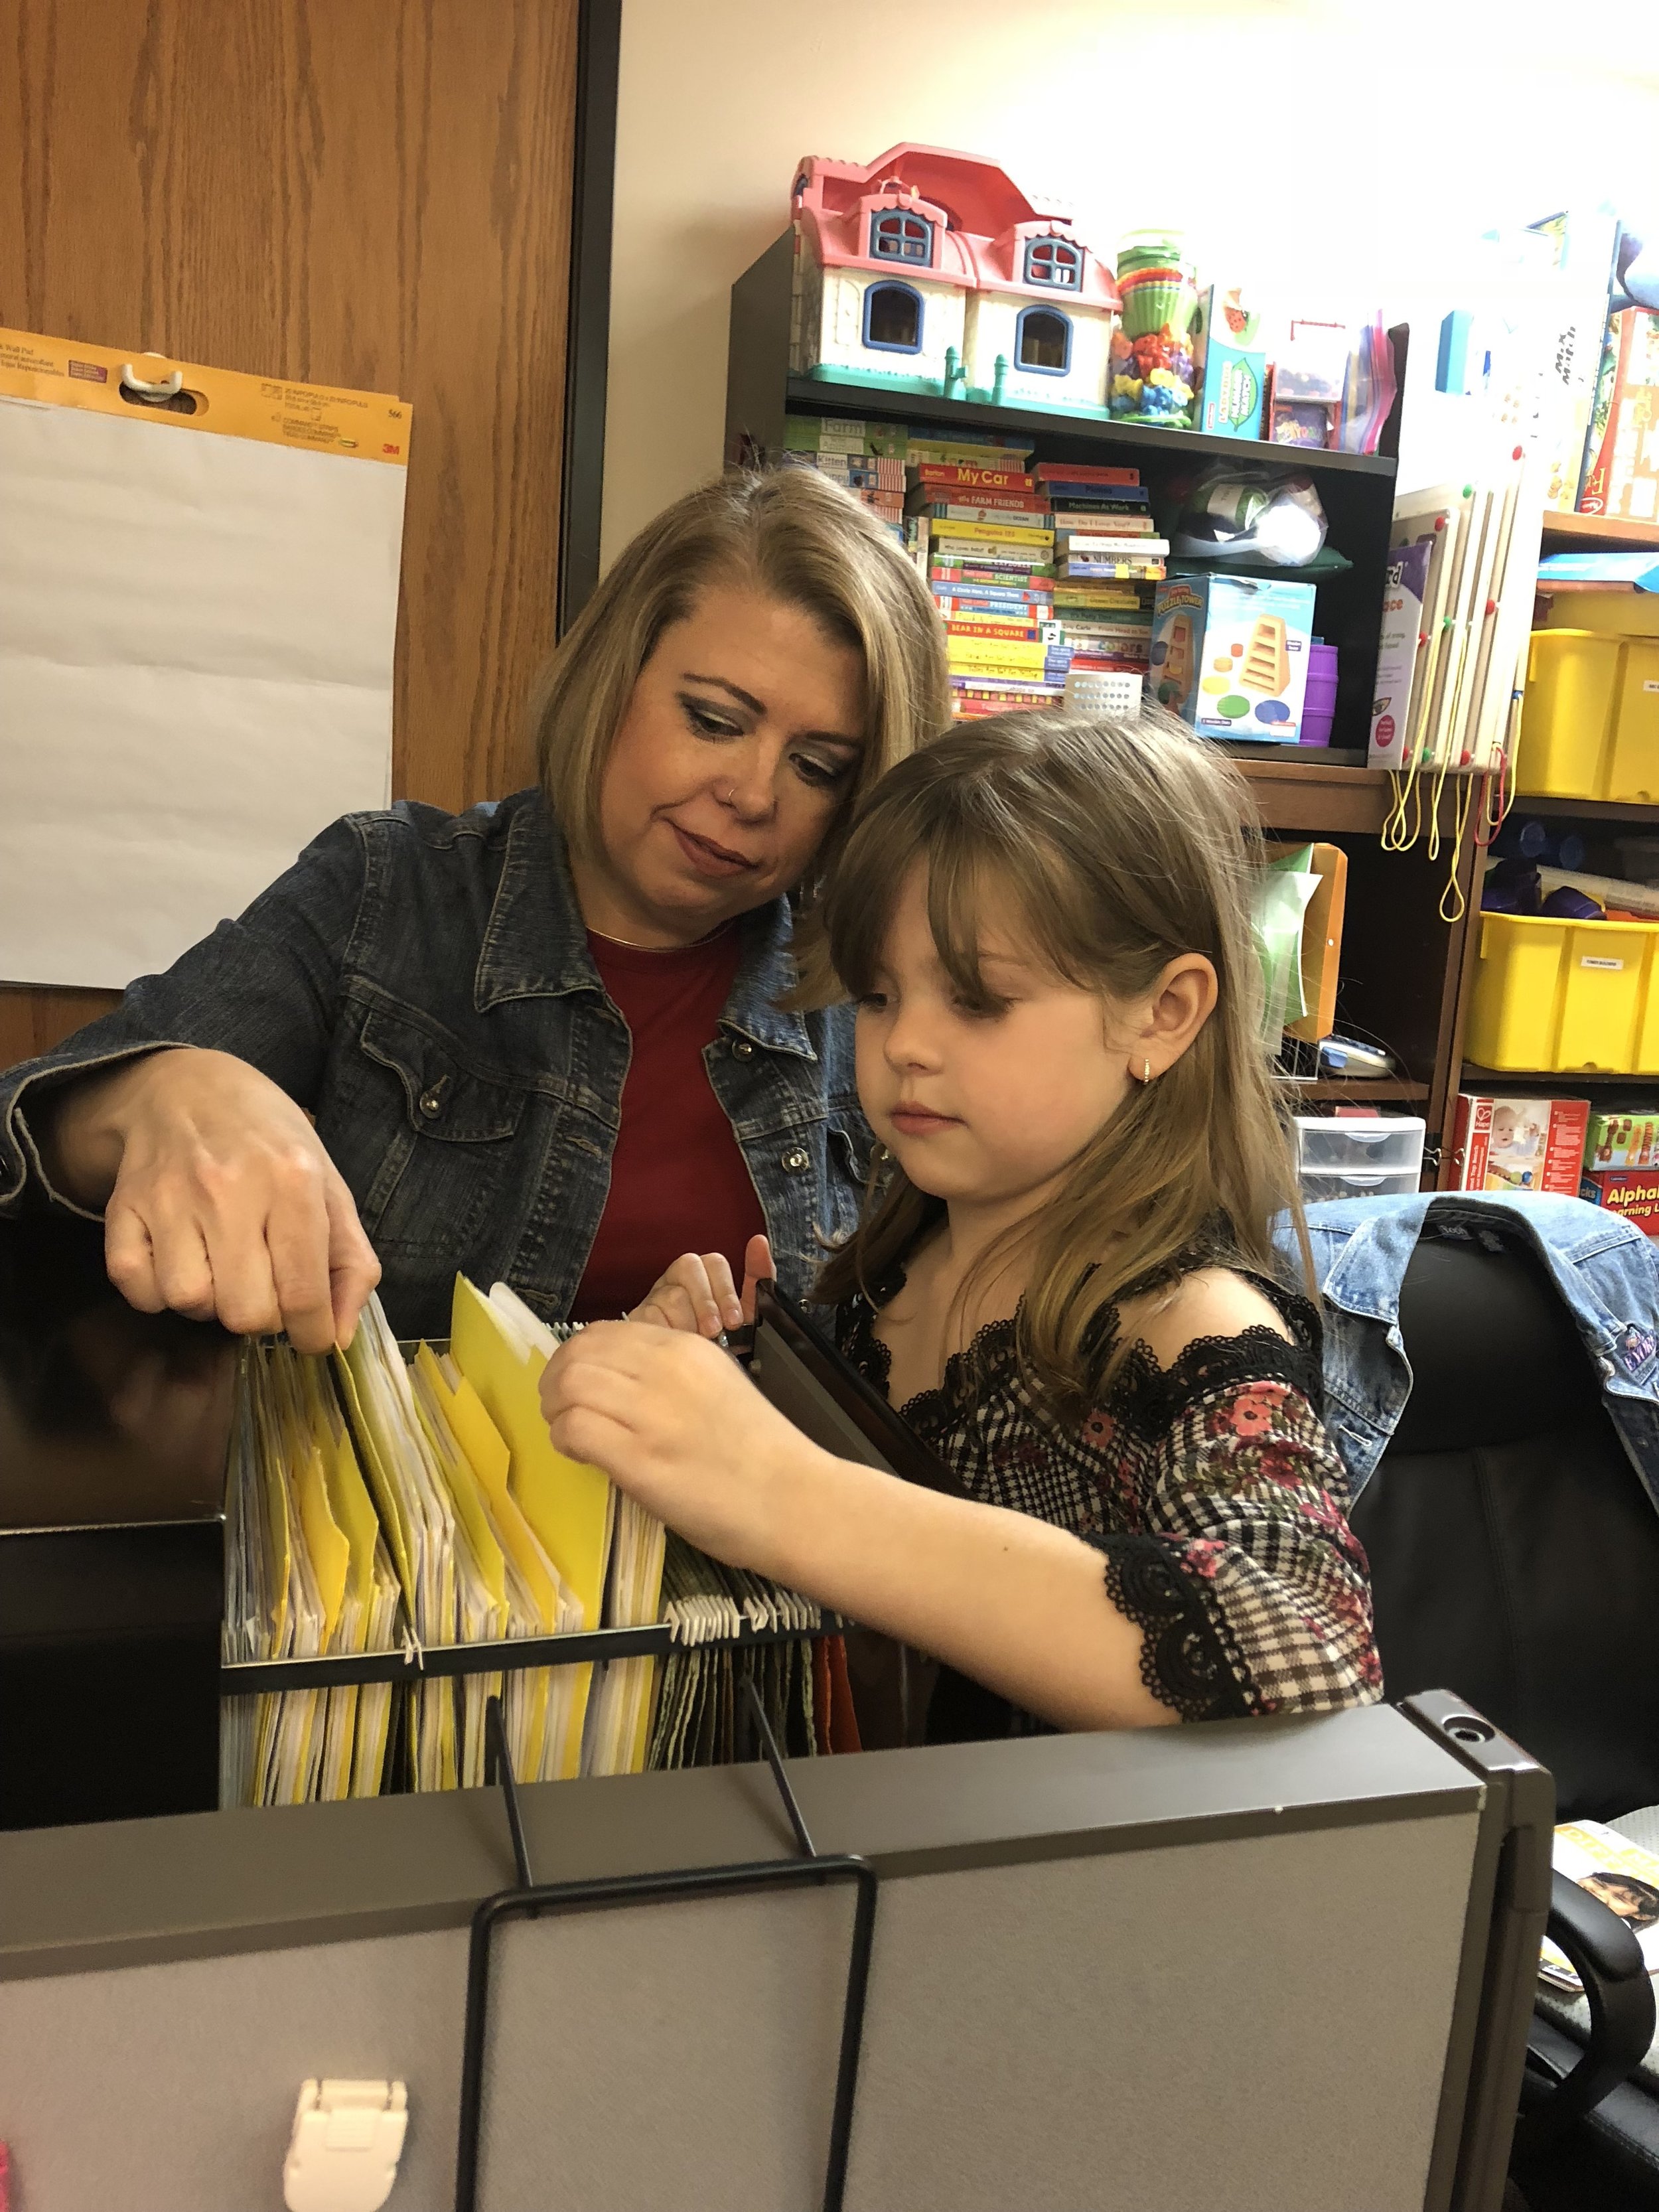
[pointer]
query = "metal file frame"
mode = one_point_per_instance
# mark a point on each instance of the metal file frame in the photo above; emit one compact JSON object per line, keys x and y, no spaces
{"x":527,"y":1900}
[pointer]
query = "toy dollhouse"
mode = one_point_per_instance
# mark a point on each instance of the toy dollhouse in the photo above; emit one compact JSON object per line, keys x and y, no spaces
{"x":926,"y":271}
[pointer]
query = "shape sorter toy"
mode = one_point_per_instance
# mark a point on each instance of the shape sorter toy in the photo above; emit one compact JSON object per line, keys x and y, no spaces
{"x":1229,"y":655}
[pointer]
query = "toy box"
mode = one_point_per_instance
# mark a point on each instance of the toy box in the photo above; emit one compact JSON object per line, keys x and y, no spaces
{"x":1229,"y":655}
{"x":1304,"y":391}
{"x":1228,"y":366}
{"x":1621,"y":472}
{"x":1622,"y":1140}
{"x":1517,"y":1145}
{"x":1405,"y":594}
{"x":1633,"y":1191}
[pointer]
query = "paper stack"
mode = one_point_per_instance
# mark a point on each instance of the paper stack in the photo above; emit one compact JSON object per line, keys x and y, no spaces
{"x":309,"y":1574}
{"x":622,"y":1581}
{"x":381,"y":1501}
{"x":696,"y":1720}
{"x":509,"y":1587}
{"x":418,"y":1515}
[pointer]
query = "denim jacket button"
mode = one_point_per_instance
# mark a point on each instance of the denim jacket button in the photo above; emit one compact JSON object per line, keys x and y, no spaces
{"x":742,"y":1049}
{"x":797,"y":1162}
{"x":432,"y":1103}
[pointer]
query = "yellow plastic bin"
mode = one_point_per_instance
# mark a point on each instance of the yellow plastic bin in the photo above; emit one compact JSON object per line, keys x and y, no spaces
{"x":1633,"y":768}
{"x":1567,"y":995}
{"x":1566,"y":717}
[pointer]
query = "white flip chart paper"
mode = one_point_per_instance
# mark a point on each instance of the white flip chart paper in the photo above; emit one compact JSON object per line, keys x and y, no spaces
{"x":196,"y":642}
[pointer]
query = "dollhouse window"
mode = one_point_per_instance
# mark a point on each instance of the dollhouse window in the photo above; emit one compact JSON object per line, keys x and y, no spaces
{"x":1052,"y":261}
{"x":1043,"y":340}
{"x":896,"y":236}
{"x":892,"y":318}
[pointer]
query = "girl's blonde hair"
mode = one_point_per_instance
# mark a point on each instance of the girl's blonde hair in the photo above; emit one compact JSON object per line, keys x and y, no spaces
{"x":1122,"y":845}
{"x":798,"y":538}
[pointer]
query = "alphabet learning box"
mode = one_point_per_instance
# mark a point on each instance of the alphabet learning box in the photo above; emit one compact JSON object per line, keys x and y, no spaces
{"x":1230,"y":655}
{"x":1633,"y":1192}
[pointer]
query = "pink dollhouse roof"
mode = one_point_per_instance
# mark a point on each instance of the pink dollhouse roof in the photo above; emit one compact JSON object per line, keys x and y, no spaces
{"x":982,"y":221}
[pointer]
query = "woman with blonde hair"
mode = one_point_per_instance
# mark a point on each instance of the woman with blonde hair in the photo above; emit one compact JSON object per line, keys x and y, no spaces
{"x":546,"y":1040}
{"x":1064,"y":1277}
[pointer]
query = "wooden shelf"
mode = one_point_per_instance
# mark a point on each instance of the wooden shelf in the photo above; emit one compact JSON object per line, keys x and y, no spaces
{"x":1357,"y":1090}
{"x":1588,"y":810}
{"x":811,"y":395}
{"x":1565,"y":1080}
{"x":1609,"y":533}
{"x":1315,"y":795}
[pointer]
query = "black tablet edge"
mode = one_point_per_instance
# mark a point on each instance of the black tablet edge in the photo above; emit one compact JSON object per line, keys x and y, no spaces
{"x":864,"y":1405}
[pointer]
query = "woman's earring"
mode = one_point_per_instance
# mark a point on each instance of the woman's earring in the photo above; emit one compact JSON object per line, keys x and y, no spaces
{"x":1146,"y":1071}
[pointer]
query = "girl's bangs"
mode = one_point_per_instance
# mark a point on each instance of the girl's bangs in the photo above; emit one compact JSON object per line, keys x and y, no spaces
{"x":961,"y":872}
{"x":968,"y":868}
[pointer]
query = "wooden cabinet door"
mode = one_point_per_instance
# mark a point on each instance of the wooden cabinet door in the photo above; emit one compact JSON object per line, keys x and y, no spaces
{"x":369,"y":192}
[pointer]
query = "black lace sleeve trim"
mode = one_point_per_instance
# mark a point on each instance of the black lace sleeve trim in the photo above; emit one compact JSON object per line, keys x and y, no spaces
{"x":857,"y":1342}
{"x":1142,"y":1395}
{"x":1186,"y":1661}
{"x":1149,"y":1400}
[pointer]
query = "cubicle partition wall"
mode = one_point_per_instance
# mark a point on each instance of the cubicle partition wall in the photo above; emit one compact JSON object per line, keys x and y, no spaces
{"x":1281,"y":1965}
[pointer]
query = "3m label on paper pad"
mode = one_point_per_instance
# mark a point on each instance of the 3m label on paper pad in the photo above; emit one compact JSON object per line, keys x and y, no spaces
{"x":371,"y":426}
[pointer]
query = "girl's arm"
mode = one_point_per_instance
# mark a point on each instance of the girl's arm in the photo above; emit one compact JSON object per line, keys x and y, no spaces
{"x":1237,"y":1560}
{"x":1010,"y":1600}
{"x":1019,"y":1606}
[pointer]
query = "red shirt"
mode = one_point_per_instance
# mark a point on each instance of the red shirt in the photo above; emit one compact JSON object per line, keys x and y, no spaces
{"x":678,"y":1183}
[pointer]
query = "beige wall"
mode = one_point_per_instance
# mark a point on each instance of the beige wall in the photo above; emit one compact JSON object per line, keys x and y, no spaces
{"x":1351,"y":147}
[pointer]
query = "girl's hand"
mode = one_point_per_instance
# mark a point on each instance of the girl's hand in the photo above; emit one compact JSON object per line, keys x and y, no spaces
{"x":697,"y":1293}
{"x":676,"y":1423}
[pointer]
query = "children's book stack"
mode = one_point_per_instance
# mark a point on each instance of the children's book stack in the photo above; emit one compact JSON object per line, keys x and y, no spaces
{"x":1034,"y":571}
{"x":874,"y":460}
{"x":1108,"y":560}
{"x":846,"y":451}
{"x":981,"y":532}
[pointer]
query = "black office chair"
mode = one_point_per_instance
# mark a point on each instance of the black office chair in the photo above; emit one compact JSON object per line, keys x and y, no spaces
{"x":1515,"y":1556}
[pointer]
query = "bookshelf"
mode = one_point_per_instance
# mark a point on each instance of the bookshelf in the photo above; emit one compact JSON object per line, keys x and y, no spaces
{"x":1357,"y":489}
{"x":1604,"y":533}
{"x":811,"y":395}
{"x":1601,"y":820}
{"x":1634,"y":813}
{"x":1555,"y":1080}
{"x":1402,"y":964}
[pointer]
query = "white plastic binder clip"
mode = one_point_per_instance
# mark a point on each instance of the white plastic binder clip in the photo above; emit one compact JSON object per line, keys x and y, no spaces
{"x":348,"y":2138}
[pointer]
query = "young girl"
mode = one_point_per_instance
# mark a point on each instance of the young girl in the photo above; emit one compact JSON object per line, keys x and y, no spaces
{"x":1064,"y":1277}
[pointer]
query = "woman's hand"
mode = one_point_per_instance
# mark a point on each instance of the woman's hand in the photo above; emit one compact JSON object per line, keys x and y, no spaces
{"x":697,"y":1293}
{"x":219,"y":1199}
{"x":676,"y":1423}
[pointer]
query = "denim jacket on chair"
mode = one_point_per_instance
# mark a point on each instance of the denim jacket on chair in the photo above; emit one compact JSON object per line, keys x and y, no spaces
{"x":1605,"y":1269}
{"x":422,"y":983}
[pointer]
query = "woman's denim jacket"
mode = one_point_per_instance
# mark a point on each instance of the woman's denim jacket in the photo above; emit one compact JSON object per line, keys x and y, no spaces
{"x":421,"y":982}
{"x":1605,"y":1269}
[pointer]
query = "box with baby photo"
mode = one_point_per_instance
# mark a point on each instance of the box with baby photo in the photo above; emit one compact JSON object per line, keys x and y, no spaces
{"x":1520,"y":1145}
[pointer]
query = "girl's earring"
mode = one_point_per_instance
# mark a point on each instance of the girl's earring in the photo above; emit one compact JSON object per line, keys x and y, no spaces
{"x":1146,"y":1071}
